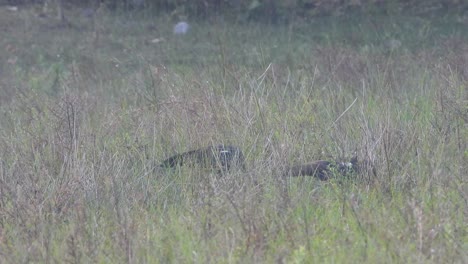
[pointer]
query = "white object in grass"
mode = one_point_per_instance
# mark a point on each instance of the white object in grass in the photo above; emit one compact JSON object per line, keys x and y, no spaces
{"x":181,"y":28}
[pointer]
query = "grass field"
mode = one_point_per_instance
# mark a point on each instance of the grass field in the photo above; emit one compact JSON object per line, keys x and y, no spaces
{"x":88,"y":110}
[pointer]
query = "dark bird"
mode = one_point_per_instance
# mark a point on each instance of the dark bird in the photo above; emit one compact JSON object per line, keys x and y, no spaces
{"x":319,"y":169}
{"x":221,"y":158}
{"x":323,"y":169}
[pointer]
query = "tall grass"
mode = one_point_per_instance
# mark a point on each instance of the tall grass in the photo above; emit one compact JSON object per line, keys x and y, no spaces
{"x":85,"y":122}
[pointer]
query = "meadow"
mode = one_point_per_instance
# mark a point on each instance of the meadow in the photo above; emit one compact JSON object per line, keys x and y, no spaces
{"x":88,"y":110}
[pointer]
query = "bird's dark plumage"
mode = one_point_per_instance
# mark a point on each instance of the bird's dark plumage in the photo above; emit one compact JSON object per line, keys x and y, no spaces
{"x":222,"y":158}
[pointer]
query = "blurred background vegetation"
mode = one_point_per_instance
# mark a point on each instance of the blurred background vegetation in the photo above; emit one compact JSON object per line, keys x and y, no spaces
{"x":274,"y":11}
